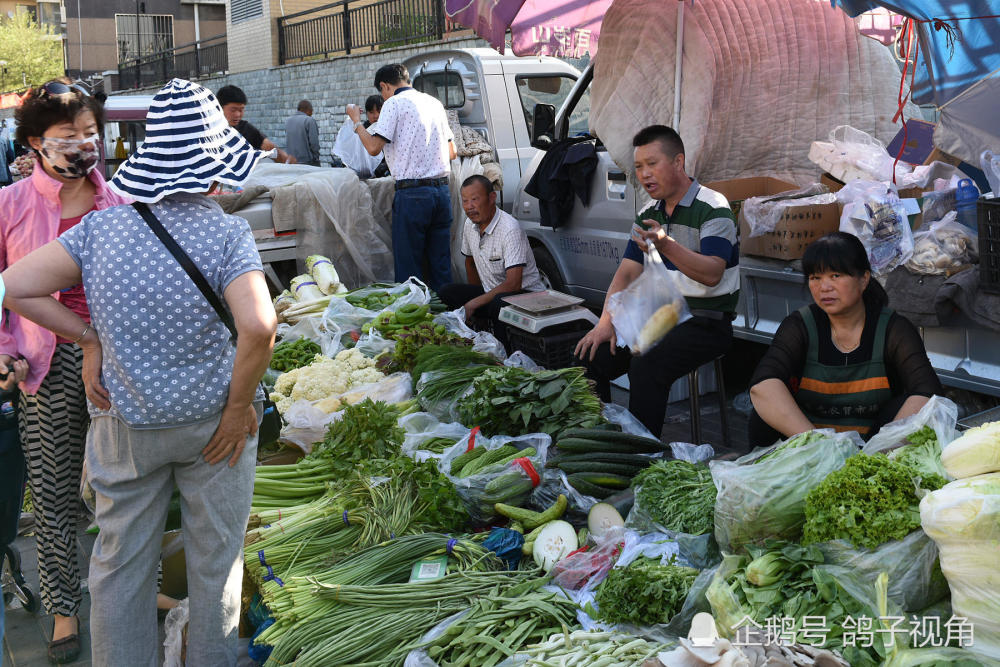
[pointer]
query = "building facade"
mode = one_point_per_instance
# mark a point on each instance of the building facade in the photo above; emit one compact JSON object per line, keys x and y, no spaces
{"x":100,"y":34}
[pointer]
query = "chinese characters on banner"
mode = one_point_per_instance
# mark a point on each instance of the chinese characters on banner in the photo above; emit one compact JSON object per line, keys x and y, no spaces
{"x":861,"y":632}
{"x":560,"y":41}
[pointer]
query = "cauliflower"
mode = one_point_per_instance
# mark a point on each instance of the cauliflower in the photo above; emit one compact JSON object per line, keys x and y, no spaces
{"x":329,"y":405}
{"x":324,"y":378}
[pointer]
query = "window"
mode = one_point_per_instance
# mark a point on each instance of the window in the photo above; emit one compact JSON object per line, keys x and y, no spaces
{"x":155,"y":34}
{"x":446,"y":86}
{"x":27,"y":9}
{"x":244,"y":10}
{"x":552,"y":90}
{"x":49,"y":15}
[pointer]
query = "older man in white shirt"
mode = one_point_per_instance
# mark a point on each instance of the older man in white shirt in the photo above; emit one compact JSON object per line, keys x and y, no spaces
{"x":498,"y":257}
{"x":412,"y":131}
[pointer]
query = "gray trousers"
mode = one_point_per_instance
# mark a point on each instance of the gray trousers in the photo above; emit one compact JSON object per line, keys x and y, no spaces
{"x":133,"y":472}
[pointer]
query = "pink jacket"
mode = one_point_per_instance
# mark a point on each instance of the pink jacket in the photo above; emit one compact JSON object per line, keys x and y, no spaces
{"x":29,"y":218}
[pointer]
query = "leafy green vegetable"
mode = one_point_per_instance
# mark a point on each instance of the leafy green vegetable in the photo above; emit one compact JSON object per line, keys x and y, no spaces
{"x":512,"y":401}
{"x":800,"y":586}
{"x":677,"y":495}
{"x":445,"y":357}
{"x":439,"y":343}
{"x":288,"y":355}
{"x":923,"y":454}
{"x":870,"y":501}
{"x":644,"y":593}
{"x":368,"y":430}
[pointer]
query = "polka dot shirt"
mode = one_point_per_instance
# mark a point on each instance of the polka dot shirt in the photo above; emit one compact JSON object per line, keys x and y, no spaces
{"x":416,"y":127}
{"x":168,"y":358}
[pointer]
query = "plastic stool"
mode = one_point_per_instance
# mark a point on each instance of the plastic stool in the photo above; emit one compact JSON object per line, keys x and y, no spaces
{"x":696,"y":409}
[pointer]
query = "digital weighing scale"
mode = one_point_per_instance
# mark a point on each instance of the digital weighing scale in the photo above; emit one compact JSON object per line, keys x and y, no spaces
{"x":535,"y":311}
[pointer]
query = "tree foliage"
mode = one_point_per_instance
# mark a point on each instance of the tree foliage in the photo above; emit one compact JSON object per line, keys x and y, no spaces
{"x":29,"y":48}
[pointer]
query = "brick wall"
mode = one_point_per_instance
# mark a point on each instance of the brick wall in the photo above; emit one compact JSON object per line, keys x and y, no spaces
{"x":330,"y":85}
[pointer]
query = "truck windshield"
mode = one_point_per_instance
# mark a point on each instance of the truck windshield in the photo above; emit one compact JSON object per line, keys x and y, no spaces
{"x":446,"y":86}
{"x":553,"y":89}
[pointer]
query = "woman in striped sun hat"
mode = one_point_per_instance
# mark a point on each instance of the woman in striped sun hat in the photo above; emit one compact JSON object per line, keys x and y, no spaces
{"x":173,"y":401}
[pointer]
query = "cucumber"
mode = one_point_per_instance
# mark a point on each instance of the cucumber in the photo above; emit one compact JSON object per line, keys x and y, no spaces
{"x":464,"y":459}
{"x":488,"y":459}
{"x":583,"y":445}
{"x":607,"y":480}
{"x":636,"y":460}
{"x":622,"y":442}
{"x":622,"y":469}
{"x":508,"y":486}
{"x":588,"y":489}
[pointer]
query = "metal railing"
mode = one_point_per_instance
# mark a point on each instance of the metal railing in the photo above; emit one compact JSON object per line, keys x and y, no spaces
{"x":187,"y":61}
{"x":350,"y":25}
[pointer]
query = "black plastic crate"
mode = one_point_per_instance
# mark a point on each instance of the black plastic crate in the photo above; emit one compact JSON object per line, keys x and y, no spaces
{"x":552,"y":347}
{"x":989,"y":245}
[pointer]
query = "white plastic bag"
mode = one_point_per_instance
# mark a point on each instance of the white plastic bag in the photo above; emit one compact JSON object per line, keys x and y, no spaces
{"x":617,"y":414}
{"x":348,"y":147}
{"x":312,"y":328}
{"x":645,"y":311}
{"x":943,"y":246}
{"x":482,"y":341}
{"x":990,"y":162}
{"x":763,"y":213}
{"x":173,"y":627}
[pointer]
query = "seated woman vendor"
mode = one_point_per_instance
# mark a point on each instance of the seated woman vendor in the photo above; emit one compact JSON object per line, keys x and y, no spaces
{"x":846,"y":361}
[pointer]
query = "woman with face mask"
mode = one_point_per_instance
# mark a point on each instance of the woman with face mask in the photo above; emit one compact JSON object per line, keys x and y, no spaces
{"x":63,"y":127}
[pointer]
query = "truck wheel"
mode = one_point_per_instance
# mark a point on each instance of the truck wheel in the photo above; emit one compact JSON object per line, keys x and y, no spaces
{"x":548,"y":272}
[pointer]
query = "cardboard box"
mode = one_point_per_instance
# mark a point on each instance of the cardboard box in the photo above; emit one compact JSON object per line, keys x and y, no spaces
{"x":797,"y":228}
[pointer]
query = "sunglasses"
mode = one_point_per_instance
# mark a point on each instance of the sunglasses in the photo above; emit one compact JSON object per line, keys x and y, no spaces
{"x":55,"y":89}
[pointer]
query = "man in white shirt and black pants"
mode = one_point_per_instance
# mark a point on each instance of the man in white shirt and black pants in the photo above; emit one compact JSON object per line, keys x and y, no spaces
{"x":413,"y":133}
{"x":498,"y":257}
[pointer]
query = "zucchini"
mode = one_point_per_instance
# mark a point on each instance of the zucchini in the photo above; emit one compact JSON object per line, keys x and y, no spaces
{"x":602,"y":518}
{"x":588,"y":489}
{"x":510,"y":485}
{"x":623,"y":469}
{"x":636,"y":460}
{"x":607,"y":480}
{"x":530,"y":519}
{"x":622,"y":442}
{"x":465,"y":458}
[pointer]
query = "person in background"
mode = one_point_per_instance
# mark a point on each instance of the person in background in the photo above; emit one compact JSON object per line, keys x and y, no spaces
{"x":845,"y":361}
{"x":174,"y":396}
{"x":694,"y":231}
{"x":498,"y":257}
{"x":63,"y":127}
{"x":234,"y":104}
{"x":373,"y":107}
{"x":6,"y":159}
{"x":413,"y":132}
{"x":302,"y":135}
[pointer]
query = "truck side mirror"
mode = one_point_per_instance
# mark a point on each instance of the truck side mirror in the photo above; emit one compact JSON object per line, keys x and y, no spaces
{"x":543,"y":126}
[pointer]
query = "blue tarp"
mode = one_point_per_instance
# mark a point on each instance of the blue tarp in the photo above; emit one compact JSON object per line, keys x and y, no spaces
{"x":941,"y":72}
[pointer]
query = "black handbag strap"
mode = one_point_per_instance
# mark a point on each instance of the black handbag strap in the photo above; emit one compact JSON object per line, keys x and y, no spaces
{"x":189,"y":267}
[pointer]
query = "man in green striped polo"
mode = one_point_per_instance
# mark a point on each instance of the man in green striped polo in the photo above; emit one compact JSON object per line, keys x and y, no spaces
{"x":694,"y":231}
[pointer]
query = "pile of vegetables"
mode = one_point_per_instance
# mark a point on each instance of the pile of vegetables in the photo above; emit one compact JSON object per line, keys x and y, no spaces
{"x":513,"y":401}
{"x":498,"y":624}
{"x":289,"y":355}
{"x":677,"y":495}
{"x":610,"y":649}
{"x":325,"y":380}
{"x":644,"y":592}
{"x":870,"y":501}
{"x":922,"y":454}
{"x":372,"y":299}
{"x":405,"y":318}
{"x":602,"y":461}
{"x":411,"y":344}
{"x":790,"y":581}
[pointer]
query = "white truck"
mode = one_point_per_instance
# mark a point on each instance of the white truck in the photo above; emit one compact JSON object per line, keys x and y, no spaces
{"x":516,"y":104}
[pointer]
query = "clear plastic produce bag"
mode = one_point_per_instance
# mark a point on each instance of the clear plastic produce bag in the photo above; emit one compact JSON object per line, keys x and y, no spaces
{"x":510,"y":481}
{"x":348,"y":147}
{"x":482,"y":341}
{"x":939,"y":413}
{"x":763,"y":213}
{"x":762,"y":495}
{"x":645,"y":311}
{"x":943,"y":246}
{"x":421,"y":427}
{"x":312,"y":328}
{"x":586,"y":568}
{"x":874,"y":214}
{"x":915,"y":579}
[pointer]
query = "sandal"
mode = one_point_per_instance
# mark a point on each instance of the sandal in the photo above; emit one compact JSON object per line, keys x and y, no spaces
{"x":66,"y":649}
